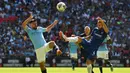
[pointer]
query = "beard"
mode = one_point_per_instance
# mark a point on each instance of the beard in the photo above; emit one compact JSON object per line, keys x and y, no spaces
{"x":35,"y":28}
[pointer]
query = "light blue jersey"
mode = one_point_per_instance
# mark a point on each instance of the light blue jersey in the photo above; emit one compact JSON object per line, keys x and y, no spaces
{"x":103,"y":47}
{"x":73,"y":47}
{"x":36,"y":36}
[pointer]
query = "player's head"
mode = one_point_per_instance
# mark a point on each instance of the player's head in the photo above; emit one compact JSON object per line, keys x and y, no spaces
{"x":99,"y":24}
{"x":72,"y":35}
{"x":87,"y":30}
{"x":33,"y":23}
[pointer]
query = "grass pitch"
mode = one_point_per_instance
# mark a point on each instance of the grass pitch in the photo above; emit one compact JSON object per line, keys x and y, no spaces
{"x":61,"y":70}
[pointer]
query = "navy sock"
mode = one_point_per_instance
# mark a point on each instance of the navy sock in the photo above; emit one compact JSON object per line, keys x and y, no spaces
{"x":100,"y":68}
{"x":100,"y":65}
{"x":73,"y":64}
{"x":92,"y":68}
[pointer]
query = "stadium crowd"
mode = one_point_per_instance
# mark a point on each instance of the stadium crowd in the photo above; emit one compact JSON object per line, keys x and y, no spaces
{"x":14,"y":42}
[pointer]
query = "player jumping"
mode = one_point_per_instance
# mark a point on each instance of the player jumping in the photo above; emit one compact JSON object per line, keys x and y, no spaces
{"x":35,"y":33}
{"x":97,"y":37}
{"x":73,"y":47}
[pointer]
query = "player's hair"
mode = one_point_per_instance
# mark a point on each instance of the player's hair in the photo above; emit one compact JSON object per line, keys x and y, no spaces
{"x":33,"y":20}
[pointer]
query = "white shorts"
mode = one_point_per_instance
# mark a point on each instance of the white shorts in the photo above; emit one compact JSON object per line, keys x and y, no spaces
{"x":102,"y":54}
{"x":73,"y":55}
{"x":41,"y":53}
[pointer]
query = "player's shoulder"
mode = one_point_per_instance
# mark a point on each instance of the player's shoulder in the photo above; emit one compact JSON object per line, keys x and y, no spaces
{"x":39,"y":27}
{"x":96,"y":28}
{"x":82,"y":37}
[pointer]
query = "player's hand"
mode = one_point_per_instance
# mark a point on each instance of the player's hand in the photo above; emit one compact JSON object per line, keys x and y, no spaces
{"x":31,"y":15}
{"x":58,"y":52}
{"x":60,"y":35}
{"x":100,"y":19}
{"x":55,"y":22}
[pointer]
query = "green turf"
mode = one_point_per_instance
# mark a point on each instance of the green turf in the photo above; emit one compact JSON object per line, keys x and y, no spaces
{"x":61,"y":70}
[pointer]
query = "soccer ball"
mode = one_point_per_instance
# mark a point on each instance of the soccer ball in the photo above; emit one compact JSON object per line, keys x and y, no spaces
{"x":61,"y":6}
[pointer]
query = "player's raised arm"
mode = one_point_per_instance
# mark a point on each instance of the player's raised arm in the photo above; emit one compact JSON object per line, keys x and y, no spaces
{"x":103,"y":24}
{"x":75,"y":39}
{"x":51,"y":26}
{"x":27,"y":21}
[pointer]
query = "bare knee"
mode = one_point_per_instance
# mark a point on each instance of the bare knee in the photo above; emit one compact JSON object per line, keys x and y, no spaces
{"x":88,"y":62}
{"x":51,"y":44}
{"x":42,"y":65}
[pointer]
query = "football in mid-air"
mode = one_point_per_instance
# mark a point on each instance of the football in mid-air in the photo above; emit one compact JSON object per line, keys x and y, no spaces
{"x":61,"y":6}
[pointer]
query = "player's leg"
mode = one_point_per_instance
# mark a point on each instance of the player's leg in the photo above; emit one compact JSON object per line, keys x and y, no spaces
{"x":41,"y":56}
{"x":101,"y":55}
{"x":42,"y":67}
{"x":52,"y":45}
{"x":93,"y":62}
{"x":89,"y":59}
{"x":89,"y":65}
{"x":73,"y":57}
{"x":48,"y":46}
{"x":92,"y":68}
{"x":73,"y":63}
{"x":109,"y":63}
{"x":100,"y":62}
{"x":70,"y":39}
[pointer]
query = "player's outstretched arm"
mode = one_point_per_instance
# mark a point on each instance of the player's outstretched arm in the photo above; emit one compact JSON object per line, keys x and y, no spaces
{"x":70,"y":39}
{"x":104,"y":25}
{"x":27,"y":21}
{"x":51,"y":26}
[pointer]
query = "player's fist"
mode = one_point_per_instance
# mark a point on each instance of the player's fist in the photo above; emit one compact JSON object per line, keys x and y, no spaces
{"x":55,"y":22}
{"x":60,"y":34}
{"x":58,"y":52}
{"x":98,"y":18}
{"x":31,"y":15}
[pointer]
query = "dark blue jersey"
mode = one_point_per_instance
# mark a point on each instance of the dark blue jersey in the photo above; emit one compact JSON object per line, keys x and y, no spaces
{"x":98,"y":37}
{"x":87,"y":52}
{"x":90,"y":47}
{"x":85,"y":43}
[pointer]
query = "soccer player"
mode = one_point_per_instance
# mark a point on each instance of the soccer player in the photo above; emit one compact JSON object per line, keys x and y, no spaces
{"x":102,"y":54}
{"x":35,"y":33}
{"x":84,"y":37}
{"x":73,"y":47}
{"x":97,"y":37}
